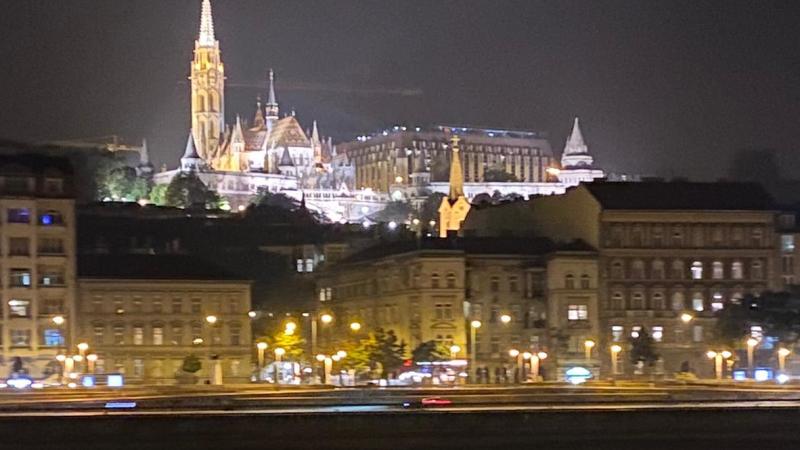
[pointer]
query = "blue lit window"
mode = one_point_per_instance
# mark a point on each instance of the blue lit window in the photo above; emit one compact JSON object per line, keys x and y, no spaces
{"x":53,"y":338}
{"x":50,"y":218}
{"x":19,"y":215}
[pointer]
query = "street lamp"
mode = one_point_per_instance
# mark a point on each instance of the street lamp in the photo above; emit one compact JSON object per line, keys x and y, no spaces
{"x":58,"y":320}
{"x":615,"y":349}
{"x":536,"y":363}
{"x":279,"y":352}
{"x":82,"y":347}
{"x":686,"y":317}
{"x":520,"y":370}
{"x":751,"y":344}
{"x":91,"y":359}
{"x":211,"y":319}
{"x":783,"y":352}
{"x":252,"y":314}
{"x":355,"y":326}
{"x":505,"y":318}
{"x":454,"y":349}
{"x":261,"y":346}
{"x":588,"y":345}
{"x":473,"y":331}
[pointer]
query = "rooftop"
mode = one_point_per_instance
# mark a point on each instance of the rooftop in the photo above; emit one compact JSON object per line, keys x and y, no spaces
{"x":681,"y":196}
{"x":150,"y":267}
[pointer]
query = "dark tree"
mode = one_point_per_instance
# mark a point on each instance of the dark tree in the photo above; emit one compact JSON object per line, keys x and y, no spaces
{"x":395,"y":211}
{"x":777,"y":313}
{"x":430,"y":207}
{"x":430,"y":351}
{"x":499,"y":175}
{"x":390,"y":351}
{"x":191,"y":364}
{"x":643,"y":349}
{"x":187,"y":190}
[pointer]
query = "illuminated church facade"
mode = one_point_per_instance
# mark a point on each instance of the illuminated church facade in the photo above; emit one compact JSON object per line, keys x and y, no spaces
{"x":274,"y":153}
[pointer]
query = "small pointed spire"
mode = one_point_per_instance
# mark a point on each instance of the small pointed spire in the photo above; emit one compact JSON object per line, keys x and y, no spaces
{"x":456,"y":174}
{"x":576,"y":152}
{"x":576,"y":138}
{"x":206,"y":38}
{"x":191,"y":150}
{"x":258,"y":121}
{"x":271,"y":99}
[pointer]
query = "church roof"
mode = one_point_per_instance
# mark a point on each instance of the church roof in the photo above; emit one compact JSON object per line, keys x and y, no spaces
{"x":287,"y":132}
{"x":191,"y":150}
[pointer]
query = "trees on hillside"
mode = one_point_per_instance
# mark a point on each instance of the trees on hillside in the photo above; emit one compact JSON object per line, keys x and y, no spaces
{"x":187,"y":190}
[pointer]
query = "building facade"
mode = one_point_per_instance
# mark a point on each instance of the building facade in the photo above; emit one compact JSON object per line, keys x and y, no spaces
{"x":670,"y":256}
{"x":37,"y":263}
{"x":434,"y":289}
{"x":142,"y":315}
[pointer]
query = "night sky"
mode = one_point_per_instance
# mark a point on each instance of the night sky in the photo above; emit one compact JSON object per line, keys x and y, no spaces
{"x":661,"y":87}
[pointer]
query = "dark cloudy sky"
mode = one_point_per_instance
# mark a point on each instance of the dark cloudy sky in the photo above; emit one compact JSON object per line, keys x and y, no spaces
{"x":662,"y":87}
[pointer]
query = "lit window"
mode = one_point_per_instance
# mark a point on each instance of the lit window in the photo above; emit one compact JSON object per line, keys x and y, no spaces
{"x":309,"y":265}
{"x":99,"y":333}
{"x":435,"y":280}
{"x":19,"y":308}
{"x":787,"y":243}
{"x":757,"y":332}
{"x":697,"y":302}
{"x":20,"y":278}
{"x":578,"y":312}
{"x":158,"y":335}
{"x":51,"y":276}
{"x":138,"y":335}
{"x":300,"y":265}
{"x":20,"y":338}
{"x":678,"y":301}
{"x":717,"y":302}
{"x":19,"y":215}
{"x":53,"y":338}
{"x":658,"y":333}
{"x":697,"y":333}
{"x":616,"y":332}
{"x":119,"y":335}
{"x":636,"y":331}
{"x":51,"y":218}
{"x":697,"y":270}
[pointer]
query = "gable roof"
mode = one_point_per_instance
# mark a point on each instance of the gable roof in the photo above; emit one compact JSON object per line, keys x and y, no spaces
{"x":681,"y":196}
{"x":287,"y":132}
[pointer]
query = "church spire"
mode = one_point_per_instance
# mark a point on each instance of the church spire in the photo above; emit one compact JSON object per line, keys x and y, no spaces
{"x":576,"y":152}
{"x":206,"y":38}
{"x":456,"y":174}
{"x":272,"y":103}
{"x":316,"y":144}
{"x":258,"y":120}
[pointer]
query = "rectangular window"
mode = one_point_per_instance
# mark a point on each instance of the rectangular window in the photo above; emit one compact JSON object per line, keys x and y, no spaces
{"x":19,"y":215}
{"x":495,"y":344}
{"x":444,"y":311}
{"x":300,"y":265}
{"x":234,"y":306}
{"x":177,"y":306}
{"x":20,"y":278}
{"x":177,"y":334}
{"x":99,"y":333}
{"x":494,"y":284}
{"x":52,"y":306}
{"x":19,"y":308}
{"x":787,"y":243}
{"x":138,"y":367}
{"x":616,"y":332}
{"x":138,"y":335}
{"x":53,"y":337}
{"x":119,"y":335}
{"x":97,"y":305}
{"x":197,"y":306}
{"x":578,"y":312}
{"x":697,"y":333}
{"x":137,"y":305}
{"x":20,"y":338}
{"x":19,"y":246}
{"x":236,"y":336}
{"x":158,"y":306}
{"x":658,"y":333}
{"x":477,"y":311}
{"x":51,"y":276}
{"x":513,"y":284}
{"x":158,"y":335}
{"x":50,"y":246}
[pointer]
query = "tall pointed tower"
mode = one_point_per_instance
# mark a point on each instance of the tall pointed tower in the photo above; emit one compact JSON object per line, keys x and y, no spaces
{"x":208,"y":88}
{"x":455,"y":207}
{"x":272,"y":103}
{"x":576,"y":152}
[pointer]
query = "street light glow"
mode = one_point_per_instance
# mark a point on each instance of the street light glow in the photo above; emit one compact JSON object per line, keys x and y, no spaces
{"x":686,"y":317}
{"x":280,"y":351}
{"x":355,"y":326}
{"x":61,"y":358}
{"x":711,"y":354}
{"x":542,"y":355}
{"x":589,"y":343}
{"x":616,"y":348}
{"x":455,"y":349}
{"x":320,"y":357}
{"x":91,"y":357}
{"x":475,"y":324}
{"x":726,"y":354}
{"x":83,"y":346}
{"x":261,"y":345}
{"x":58,"y":320}
{"x":290,"y":326}
{"x":211,"y":319}
{"x":783,"y":351}
{"x":505,"y":318}
{"x":752,"y":342}
{"x":527,"y":355}
{"x":513,"y":353}
{"x":251,"y":314}
{"x":326,"y":318}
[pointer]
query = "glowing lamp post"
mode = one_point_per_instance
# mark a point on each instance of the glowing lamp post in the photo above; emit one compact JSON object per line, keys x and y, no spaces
{"x":505,"y":319}
{"x":261,"y":347}
{"x":473,"y":331}
{"x":58,"y":320}
{"x":686,"y":317}
{"x":454,"y":349}
{"x":279,"y":352}
{"x":615,"y":349}
{"x":91,"y":360}
{"x":536,"y":361}
{"x":783,"y":352}
{"x":514,"y":353}
{"x":355,"y":327}
{"x":588,"y":345}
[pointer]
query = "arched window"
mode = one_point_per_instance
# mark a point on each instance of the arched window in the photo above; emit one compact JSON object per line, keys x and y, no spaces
{"x":698,"y":304}
{"x":717,"y":301}
{"x":637,"y":300}
{"x":617,"y":301}
{"x":737,"y":295}
{"x":569,"y":281}
{"x":717,"y":270}
{"x":435,"y":280}
{"x":677,"y":269}
{"x":756,"y":270}
{"x":637,"y":269}
{"x":617,"y":270}
{"x":657,"y":301}
{"x":737,"y":273}
{"x":451,"y":280}
{"x":657,"y":270}
{"x":678,"y":302}
{"x":697,"y":270}
{"x":585,"y":282}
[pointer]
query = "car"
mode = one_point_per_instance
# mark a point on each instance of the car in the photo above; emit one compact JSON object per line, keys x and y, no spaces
{"x":427,"y":402}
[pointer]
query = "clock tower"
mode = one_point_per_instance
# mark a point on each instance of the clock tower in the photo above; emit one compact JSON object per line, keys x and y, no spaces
{"x":208,"y":88}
